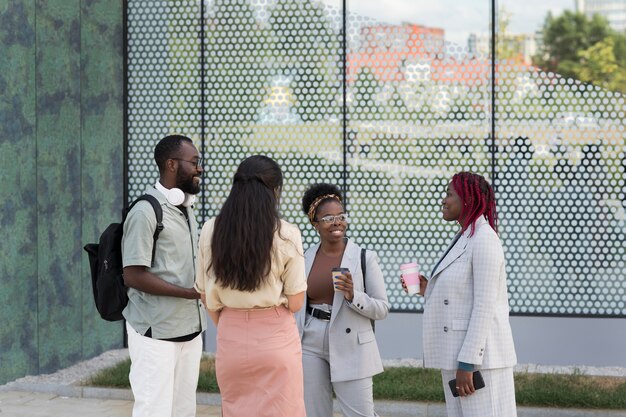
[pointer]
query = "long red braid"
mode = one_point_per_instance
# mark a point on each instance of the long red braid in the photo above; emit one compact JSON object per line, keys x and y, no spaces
{"x":478,"y":199}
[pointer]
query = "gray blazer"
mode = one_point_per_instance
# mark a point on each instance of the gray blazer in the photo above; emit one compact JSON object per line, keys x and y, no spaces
{"x":353,"y":350}
{"x":466,"y":313}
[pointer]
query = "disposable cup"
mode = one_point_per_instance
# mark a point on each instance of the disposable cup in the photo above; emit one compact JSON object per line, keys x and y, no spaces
{"x":411,"y":275}
{"x":336,"y":273}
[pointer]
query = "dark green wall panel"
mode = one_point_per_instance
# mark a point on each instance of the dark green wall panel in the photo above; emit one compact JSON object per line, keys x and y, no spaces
{"x":61,"y":150}
{"x":102,"y":98}
{"x":18,"y":216}
{"x":58,"y":182}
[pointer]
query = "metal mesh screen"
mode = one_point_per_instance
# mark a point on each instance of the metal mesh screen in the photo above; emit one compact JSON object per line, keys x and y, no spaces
{"x":164,"y":78}
{"x":390,"y":111}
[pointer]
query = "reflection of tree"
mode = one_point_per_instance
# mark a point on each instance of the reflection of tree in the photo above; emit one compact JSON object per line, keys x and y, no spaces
{"x":235,"y":56}
{"x":306,"y":48}
{"x":585,"y":48}
{"x":507,"y":49}
{"x":599,"y":66}
{"x":363,"y":104}
{"x":395,"y":109}
{"x":593,"y":172}
{"x":564,"y":36}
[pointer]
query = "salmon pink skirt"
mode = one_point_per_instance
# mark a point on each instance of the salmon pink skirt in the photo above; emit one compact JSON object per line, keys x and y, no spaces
{"x":258,"y":363}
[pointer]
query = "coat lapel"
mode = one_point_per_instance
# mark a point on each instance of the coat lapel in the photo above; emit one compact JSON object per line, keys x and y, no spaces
{"x":309,"y":258}
{"x":455,"y":250}
{"x":347,"y":261}
{"x":350,"y":257}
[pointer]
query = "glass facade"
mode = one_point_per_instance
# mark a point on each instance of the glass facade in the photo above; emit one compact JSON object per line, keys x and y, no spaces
{"x":389,"y":101}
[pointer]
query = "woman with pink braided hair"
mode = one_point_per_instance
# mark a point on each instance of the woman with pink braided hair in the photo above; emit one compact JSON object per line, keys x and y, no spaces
{"x":466,"y":312}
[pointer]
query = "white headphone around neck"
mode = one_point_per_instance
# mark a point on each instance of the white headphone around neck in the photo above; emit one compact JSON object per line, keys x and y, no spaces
{"x":176,"y":196}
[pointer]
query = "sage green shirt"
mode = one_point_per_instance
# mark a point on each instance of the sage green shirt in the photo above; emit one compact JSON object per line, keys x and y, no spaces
{"x":174,"y":262}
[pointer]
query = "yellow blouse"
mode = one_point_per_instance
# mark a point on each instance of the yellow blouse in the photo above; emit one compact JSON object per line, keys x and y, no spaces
{"x":286,"y":275}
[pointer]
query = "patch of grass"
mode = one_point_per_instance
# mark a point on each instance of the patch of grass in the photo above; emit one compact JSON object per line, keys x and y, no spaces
{"x":575,"y":390}
{"x":418,"y":384}
{"x":114,"y":377}
{"x":207,"y":381}
{"x":409,"y":384}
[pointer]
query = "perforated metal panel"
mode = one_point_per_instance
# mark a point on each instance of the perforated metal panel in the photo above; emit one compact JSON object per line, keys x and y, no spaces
{"x":164,"y":76}
{"x":410,"y":110}
{"x":560,"y":193}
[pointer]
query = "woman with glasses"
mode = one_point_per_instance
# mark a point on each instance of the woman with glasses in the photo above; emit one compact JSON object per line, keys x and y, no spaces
{"x":339,"y":350}
{"x":250,"y":273}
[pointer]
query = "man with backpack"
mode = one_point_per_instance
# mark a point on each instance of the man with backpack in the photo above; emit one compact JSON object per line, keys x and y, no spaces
{"x":164,"y":315}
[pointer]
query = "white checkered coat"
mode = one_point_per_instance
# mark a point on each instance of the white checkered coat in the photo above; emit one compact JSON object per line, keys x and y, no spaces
{"x":466,"y":314}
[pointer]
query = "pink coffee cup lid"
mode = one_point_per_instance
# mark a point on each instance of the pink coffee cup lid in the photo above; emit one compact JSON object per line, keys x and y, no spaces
{"x":409,"y":265}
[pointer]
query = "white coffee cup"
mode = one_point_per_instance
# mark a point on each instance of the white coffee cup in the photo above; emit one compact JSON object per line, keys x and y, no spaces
{"x":410,"y":273}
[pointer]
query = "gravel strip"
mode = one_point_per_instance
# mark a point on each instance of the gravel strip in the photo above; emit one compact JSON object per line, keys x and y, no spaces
{"x":77,"y":373}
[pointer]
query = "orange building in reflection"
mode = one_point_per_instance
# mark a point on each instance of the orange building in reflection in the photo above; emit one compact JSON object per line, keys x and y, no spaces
{"x":384,"y":49}
{"x":411,"y":52}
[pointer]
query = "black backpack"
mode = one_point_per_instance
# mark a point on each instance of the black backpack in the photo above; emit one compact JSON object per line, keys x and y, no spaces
{"x":105,"y":262}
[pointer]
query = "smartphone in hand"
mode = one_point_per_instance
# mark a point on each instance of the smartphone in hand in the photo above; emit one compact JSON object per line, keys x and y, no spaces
{"x":477,"y":378}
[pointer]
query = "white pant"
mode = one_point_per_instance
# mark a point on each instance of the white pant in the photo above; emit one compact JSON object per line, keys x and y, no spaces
{"x":163,"y":375}
{"x":355,"y":397}
{"x":497,"y":399}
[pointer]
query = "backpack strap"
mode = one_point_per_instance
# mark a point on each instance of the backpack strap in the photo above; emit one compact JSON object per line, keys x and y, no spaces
{"x":158,"y":211}
{"x":363,"y":268}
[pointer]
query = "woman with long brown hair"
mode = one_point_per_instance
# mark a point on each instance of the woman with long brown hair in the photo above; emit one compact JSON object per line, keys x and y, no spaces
{"x":251,"y":276}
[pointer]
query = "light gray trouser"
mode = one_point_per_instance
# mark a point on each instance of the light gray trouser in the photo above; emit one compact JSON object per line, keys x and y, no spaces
{"x":497,"y":399}
{"x":354,"y":397}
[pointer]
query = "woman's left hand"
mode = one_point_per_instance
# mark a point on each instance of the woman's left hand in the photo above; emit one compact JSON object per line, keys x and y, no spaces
{"x":464,"y":383}
{"x":344,"y":284}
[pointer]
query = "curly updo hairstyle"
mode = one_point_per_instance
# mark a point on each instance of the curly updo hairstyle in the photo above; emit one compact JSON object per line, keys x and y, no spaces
{"x":316,"y":195}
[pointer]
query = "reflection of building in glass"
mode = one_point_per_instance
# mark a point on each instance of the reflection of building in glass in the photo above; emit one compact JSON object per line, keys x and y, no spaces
{"x":612,"y":10}
{"x":402,"y":38}
{"x":412,"y":53}
{"x":478,"y":45}
{"x":411,"y":67}
{"x":387,"y":49}
{"x":522,"y":46}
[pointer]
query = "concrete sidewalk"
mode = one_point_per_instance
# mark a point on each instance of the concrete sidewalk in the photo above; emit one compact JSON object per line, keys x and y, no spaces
{"x":54,"y":400}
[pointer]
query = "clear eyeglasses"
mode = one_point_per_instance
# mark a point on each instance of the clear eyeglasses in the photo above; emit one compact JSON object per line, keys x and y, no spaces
{"x":197,"y":163}
{"x":341,"y":218}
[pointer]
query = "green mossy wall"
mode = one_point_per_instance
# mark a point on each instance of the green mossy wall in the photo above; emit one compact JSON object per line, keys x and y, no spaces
{"x":61,"y":144}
